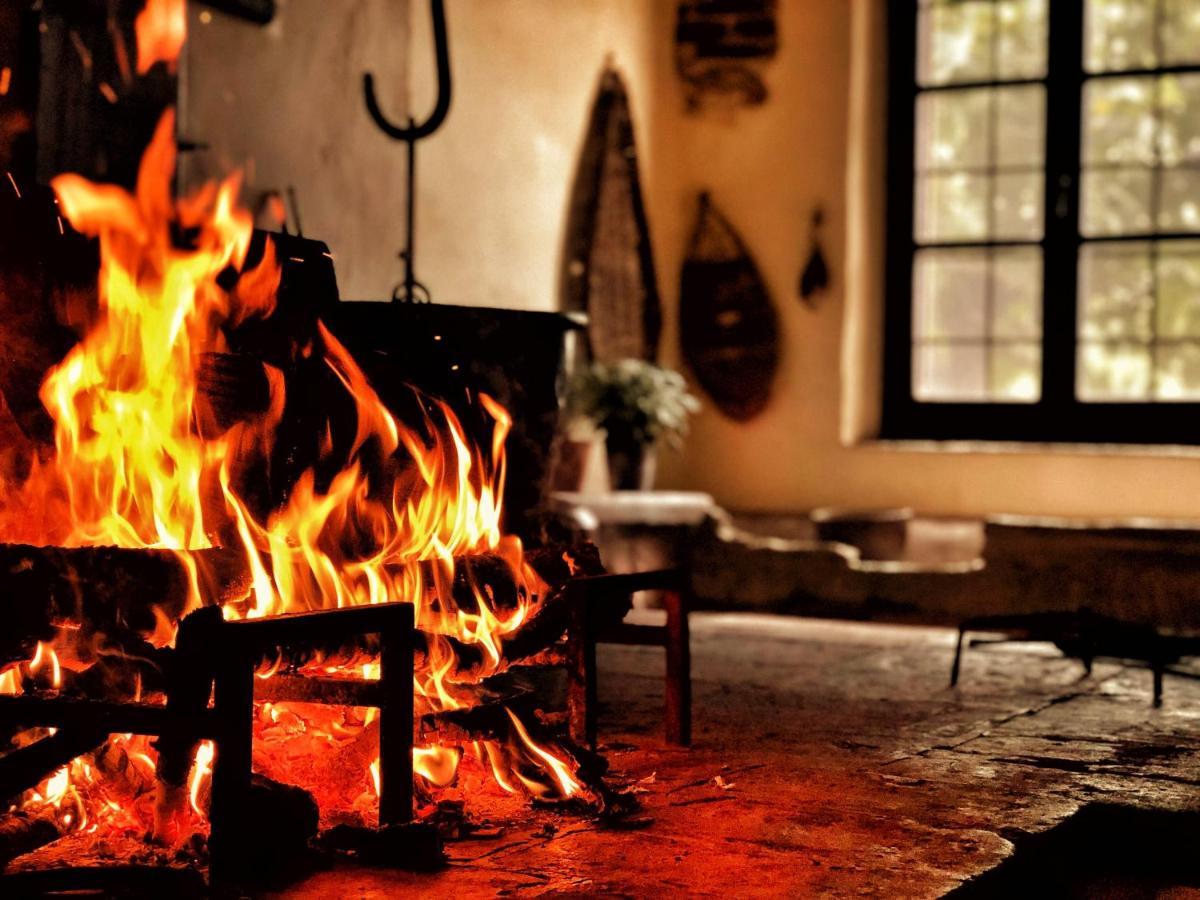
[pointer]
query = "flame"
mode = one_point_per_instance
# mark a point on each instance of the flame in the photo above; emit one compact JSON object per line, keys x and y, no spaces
{"x":200,"y":776}
{"x":437,"y":765}
{"x":161,"y":28}
{"x":138,"y":464}
{"x":567,"y":784}
{"x":45,"y":655}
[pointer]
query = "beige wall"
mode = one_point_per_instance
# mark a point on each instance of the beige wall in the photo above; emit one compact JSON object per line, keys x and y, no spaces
{"x":819,"y":139}
{"x":493,"y":183}
{"x":284,"y":102}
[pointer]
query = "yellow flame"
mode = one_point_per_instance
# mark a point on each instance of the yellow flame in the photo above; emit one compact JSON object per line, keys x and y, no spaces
{"x":201,"y":774}
{"x":567,"y":784}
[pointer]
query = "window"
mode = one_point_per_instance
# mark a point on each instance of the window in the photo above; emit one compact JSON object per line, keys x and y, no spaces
{"x":1044,"y":220}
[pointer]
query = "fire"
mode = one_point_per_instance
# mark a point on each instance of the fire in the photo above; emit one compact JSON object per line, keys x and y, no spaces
{"x":137,"y":464}
{"x":201,"y":775}
{"x":161,"y":28}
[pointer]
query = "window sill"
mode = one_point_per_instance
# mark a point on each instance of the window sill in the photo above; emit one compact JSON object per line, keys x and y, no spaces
{"x":1030,"y":448}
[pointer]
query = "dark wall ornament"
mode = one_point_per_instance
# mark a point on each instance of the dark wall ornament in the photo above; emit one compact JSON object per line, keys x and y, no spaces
{"x":815,"y":277}
{"x":728,"y":326}
{"x":719,"y":48}
{"x":608,"y":262}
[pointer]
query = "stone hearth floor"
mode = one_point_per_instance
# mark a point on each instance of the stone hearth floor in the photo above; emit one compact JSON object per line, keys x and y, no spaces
{"x":849,"y":769}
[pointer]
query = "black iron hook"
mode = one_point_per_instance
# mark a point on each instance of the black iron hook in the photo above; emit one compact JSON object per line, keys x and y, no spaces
{"x":414,"y":132}
{"x":411,"y":290}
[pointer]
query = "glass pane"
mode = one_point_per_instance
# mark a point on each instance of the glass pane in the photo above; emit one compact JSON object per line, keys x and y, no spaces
{"x":1020,"y":39}
{"x":1180,"y":32}
{"x":1177,"y":374}
{"x":949,"y":287}
{"x":1021,"y":126}
{"x":1118,"y":121}
{"x":1116,"y":291}
{"x":953,"y":129}
{"x":952,"y":207}
{"x":954,"y":43}
{"x":1119,"y":34}
{"x":1017,"y":206}
{"x":1113,"y":372}
{"x":1115,"y":201}
{"x":1017,"y":293}
{"x":1178,"y":307}
{"x":1016,"y":371}
{"x":1179,"y":104}
{"x":1179,"y":200}
{"x":949,"y":372}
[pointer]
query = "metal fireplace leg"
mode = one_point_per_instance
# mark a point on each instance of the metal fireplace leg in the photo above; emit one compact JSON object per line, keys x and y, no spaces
{"x":679,"y":669}
{"x":396,"y":721}
{"x":233,"y":696}
{"x":958,"y":649}
{"x":581,"y":674}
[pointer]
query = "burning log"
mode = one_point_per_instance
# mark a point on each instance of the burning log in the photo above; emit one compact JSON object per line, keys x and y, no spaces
{"x":24,"y":832}
{"x":487,"y":721}
{"x":24,"y":767}
{"x":292,"y":815}
{"x":555,"y":566}
{"x":112,"y":591}
{"x":485,"y":573}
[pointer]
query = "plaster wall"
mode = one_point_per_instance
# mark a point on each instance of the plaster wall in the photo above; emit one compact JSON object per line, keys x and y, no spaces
{"x":493,"y":182}
{"x":819,"y":140}
{"x":284,"y":103}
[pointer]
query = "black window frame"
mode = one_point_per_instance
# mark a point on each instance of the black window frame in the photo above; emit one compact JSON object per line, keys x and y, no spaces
{"x":1057,"y":416}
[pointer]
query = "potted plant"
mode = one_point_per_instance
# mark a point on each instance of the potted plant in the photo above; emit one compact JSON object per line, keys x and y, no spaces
{"x":635,"y":403}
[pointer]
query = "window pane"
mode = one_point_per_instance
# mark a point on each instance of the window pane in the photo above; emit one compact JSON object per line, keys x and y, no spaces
{"x":949,"y":287}
{"x":1118,"y":121}
{"x":950,"y":372}
{"x":1113,"y":372}
{"x":1021,"y":126}
{"x":977,"y":40}
{"x":953,"y":129}
{"x":1016,"y":372}
{"x":1177,"y":375}
{"x":1179,"y":105}
{"x":1017,"y":293}
{"x":1181,"y":32}
{"x":1020,"y":39}
{"x":951,"y":207}
{"x":1116,"y":201}
{"x":1119,"y":34}
{"x":1017,"y":206}
{"x":1179,"y":200}
{"x":1178,"y":307}
{"x":1116,"y":288}
{"x":954,"y":42}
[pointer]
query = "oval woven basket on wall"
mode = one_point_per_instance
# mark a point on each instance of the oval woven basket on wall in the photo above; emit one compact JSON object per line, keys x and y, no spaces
{"x":728,"y":327}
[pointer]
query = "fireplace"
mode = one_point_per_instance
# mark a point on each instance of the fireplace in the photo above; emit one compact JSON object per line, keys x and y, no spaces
{"x":268,"y":557}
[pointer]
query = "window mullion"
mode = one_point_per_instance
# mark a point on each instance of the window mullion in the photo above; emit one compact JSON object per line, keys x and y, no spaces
{"x":1064,"y":89}
{"x":897,"y":386}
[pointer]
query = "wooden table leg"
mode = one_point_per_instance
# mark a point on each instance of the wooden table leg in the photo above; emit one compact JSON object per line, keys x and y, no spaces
{"x":679,"y":670}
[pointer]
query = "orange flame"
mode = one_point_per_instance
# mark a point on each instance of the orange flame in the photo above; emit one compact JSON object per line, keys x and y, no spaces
{"x":161,"y":28}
